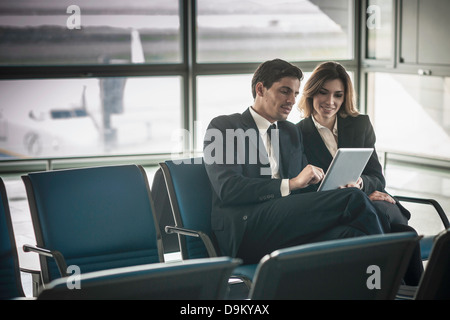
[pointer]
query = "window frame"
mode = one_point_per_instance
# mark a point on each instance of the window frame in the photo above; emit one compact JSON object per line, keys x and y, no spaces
{"x":188,"y":69}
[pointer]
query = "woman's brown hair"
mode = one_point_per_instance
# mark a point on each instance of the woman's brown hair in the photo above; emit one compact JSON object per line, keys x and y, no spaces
{"x":324,"y":72}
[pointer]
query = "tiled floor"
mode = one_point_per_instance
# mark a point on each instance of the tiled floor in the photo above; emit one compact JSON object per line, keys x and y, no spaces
{"x":402,"y":180}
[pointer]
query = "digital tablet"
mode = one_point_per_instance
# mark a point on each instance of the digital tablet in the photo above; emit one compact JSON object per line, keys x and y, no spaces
{"x":346,"y":167}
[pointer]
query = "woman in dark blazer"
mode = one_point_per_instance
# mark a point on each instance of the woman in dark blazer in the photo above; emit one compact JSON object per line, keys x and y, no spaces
{"x":331,"y":121}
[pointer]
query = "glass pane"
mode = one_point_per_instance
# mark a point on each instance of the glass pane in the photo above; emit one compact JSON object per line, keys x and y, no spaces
{"x":294,"y":30}
{"x":420,"y":181}
{"x":88,"y":117}
{"x":379,"y":29}
{"x":210,"y":105}
{"x":411,"y":113}
{"x":52,"y":32}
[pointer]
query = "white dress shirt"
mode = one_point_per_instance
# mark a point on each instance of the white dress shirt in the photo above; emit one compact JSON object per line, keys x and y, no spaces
{"x":263,"y":124}
{"x":329,"y":137}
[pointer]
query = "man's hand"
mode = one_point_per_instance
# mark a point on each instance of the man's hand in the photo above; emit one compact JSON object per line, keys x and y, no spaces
{"x":309,"y":175}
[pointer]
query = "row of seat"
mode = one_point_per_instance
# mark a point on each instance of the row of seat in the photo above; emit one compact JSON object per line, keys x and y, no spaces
{"x":98,"y":237}
{"x":190,"y":198}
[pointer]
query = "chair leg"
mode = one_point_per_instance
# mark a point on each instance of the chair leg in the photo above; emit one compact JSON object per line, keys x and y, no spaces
{"x":36,"y":283}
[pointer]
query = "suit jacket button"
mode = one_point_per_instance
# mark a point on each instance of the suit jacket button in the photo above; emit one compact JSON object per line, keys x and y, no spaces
{"x":244,"y":218}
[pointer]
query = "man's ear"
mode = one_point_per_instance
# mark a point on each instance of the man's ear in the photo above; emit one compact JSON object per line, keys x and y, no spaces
{"x":259,"y":88}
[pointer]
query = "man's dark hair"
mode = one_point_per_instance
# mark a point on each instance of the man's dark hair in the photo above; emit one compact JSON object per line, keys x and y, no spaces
{"x":272,"y":71}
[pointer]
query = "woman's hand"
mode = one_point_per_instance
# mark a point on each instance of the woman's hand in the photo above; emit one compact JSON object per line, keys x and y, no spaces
{"x":357,"y":184}
{"x":381,"y":196}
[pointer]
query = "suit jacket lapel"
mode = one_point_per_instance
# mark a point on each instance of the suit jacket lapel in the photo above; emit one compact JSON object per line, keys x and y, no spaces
{"x":315,"y":144}
{"x":284,"y":142}
{"x":346,"y":132}
{"x":249,"y":123}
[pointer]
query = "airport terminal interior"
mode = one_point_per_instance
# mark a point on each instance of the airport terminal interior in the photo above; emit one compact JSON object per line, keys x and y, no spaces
{"x":434,"y":184}
{"x":92,"y":83}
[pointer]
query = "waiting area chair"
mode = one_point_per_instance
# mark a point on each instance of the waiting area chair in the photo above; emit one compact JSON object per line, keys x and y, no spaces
{"x":198,"y":279}
{"x":435,"y":281}
{"x":426,"y":243}
{"x":10,"y":281}
{"x":369,"y":268}
{"x":190,"y":195}
{"x":95,"y":218}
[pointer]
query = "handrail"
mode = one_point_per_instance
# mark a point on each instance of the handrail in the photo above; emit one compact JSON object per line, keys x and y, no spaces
{"x":413,"y":158}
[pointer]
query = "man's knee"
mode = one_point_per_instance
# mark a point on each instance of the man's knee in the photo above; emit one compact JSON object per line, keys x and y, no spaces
{"x":356,"y":200}
{"x":366,"y":219}
{"x":357,"y":194}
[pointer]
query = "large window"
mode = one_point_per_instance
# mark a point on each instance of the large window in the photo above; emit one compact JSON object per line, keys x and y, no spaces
{"x":88,"y":117}
{"x":411,"y":113}
{"x":295,"y":30}
{"x":108,"y":77}
{"x":380,"y":29}
{"x":233,"y":94}
{"x":89,"y":32}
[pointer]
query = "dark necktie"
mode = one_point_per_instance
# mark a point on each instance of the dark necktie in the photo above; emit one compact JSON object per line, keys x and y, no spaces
{"x":269,"y":134}
{"x":269,"y":131}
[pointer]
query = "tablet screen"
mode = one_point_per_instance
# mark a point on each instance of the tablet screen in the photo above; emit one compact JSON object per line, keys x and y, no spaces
{"x":346,"y":167}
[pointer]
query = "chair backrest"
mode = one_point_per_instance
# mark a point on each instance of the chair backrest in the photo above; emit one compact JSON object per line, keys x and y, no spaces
{"x":435,"y":282}
{"x":10,"y":282}
{"x":369,"y":267}
{"x":98,"y":218}
{"x":190,"y":195}
{"x":163,"y":211}
{"x":203,"y":279}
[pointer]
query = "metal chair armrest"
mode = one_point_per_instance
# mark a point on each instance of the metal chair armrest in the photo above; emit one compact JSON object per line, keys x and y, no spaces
{"x":183,"y":231}
{"x":194,"y":233}
{"x":432,"y":202}
{"x":59,"y":258}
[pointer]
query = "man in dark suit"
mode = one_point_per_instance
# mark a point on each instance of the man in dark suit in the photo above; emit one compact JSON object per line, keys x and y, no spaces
{"x":264,"y":195}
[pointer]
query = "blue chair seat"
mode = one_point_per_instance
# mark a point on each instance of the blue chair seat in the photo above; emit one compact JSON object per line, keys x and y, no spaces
{"x":426,"y":243}
{"x":338,"y":269}
{"x":197,"y":279}
{"x":10,"y":282}
{"x":435,"y":281}
{"x":190,"y":197}
{"x":96,"y":218}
